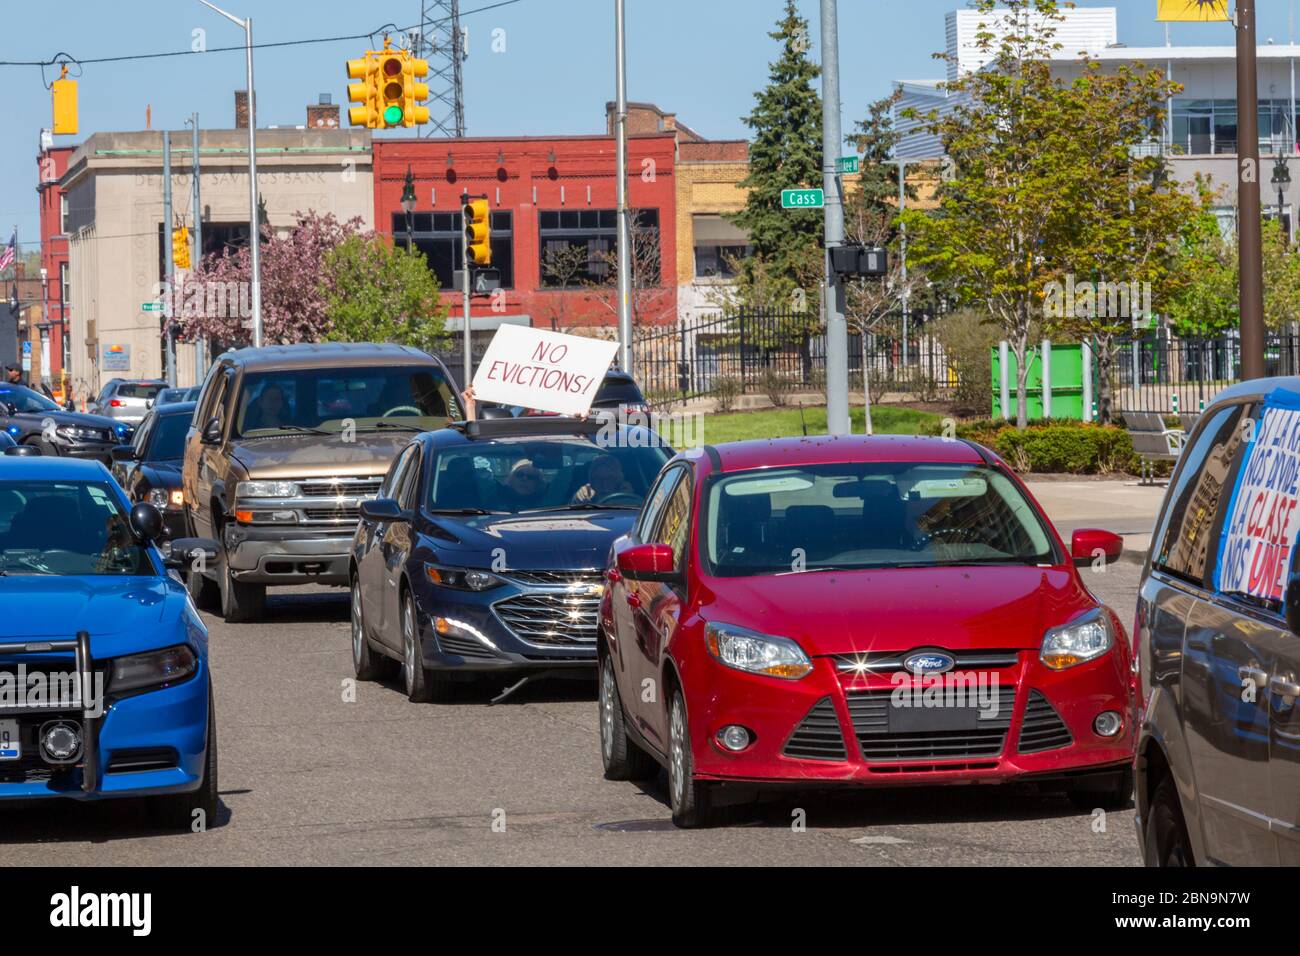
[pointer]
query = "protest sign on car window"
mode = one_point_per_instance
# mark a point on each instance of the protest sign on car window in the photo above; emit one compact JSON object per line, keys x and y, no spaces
{"x":545,"y":370}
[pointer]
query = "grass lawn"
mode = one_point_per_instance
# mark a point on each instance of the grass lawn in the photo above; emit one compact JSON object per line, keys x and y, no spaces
{"x":783,"y":422}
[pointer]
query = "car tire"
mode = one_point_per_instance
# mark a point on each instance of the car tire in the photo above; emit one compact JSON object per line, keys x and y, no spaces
{"x":691,"y":801}
{"x":240,"y":602}
{"x":368,"y":664}
{"x":420,"y":685}
{"x":205,"y":592}
{"x":621,"y":757}
{"x":1167,"y":844}
{"x":178,"y":810}
{"x":1117,"y":796}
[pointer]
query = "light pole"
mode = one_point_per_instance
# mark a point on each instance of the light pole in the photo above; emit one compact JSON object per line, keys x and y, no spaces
{"x":255,"y":240}
{"x":620,"y":173}
{"x":408,"y":204}
{"x":1251,"y":290}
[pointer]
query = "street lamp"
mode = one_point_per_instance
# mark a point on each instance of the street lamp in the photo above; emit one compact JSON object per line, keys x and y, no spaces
{"x":1282,"y":180}
{"x":255,"y":240}
{"x":408,"y":204}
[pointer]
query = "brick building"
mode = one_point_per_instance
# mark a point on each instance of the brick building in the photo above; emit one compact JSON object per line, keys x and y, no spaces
{"x":49,"y":334}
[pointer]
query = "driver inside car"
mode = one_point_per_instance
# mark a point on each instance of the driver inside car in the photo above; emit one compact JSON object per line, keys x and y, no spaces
{"x":604,"y":478}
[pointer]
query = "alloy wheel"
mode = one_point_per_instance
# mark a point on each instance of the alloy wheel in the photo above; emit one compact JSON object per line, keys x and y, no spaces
{"x":677,"y":752}
{"x":409,"y":662}
{"x":606,"y":710}
{"x":358,"y":627}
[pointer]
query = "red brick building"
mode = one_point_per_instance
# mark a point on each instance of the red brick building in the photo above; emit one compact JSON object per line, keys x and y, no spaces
{"x":546,"y":193}
{"x":48,"y":363}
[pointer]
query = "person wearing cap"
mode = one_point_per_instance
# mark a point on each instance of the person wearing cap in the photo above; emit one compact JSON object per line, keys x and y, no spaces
{"x":524,"y":488}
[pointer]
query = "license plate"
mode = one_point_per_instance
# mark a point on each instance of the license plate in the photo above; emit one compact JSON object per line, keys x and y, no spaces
{"x":11,"y":747}
{"x":911,"y":720}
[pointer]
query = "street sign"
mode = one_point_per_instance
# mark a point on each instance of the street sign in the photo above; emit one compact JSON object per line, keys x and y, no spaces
{"x":151,"y":306}
{"x":802,"y":199}
{"x":846,"y":164}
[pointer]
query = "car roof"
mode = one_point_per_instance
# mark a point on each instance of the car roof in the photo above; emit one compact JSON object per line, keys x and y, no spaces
{"x":541,"y":428}
{"x":325,"y":354}
{"x":1257,"y":387}
{"x":175,"y":408}
{"x":51,"y":468}
{"x":827,"y":450}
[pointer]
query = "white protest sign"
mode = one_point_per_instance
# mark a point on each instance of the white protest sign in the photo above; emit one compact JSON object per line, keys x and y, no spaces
{"x":549,"y":371}
{"x":1260,"y":532}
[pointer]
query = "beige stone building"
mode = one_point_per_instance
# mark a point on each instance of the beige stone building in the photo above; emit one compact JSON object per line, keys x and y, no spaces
{"x":114,"y":190}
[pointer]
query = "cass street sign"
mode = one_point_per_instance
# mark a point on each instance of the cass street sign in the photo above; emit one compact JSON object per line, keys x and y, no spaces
{"x":802,"y":199}
{"x":151,"y":306}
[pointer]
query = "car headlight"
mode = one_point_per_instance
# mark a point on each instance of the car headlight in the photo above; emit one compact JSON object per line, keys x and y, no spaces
{"x":154,"y":669}
{"x":1084,"y":639}
{"x":466,"y":579}
{"x":166,"y":499}
{"x":80,"y":431}
{"x":756,"y":653}
{"x":265,"y":489}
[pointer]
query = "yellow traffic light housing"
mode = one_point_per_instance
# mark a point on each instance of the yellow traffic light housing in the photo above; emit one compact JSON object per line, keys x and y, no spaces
{"x":64,"y":96}
{"x":367,"y":114}
{"x":389,"y":94}
{"x":415,"y":93}
{"x":478,"y":232}
{"x":181,"y":247}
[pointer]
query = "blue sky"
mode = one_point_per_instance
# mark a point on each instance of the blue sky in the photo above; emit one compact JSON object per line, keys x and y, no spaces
{"x":702,"y":59}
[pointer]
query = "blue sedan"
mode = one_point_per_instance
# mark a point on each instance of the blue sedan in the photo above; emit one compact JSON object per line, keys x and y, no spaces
{"x":104,"y":682}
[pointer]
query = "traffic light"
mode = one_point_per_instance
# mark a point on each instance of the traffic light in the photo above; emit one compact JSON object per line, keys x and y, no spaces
{"x":478,"y":232}
{"x":389,"y":94}
{"x":181,"y":247}
{"x":64,"y":95}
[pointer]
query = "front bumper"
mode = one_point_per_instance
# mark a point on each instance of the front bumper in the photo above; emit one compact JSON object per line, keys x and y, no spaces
{"x":91,"y":450}
{"x":835,"y":727}
{"x":143,"y":744}
{"x":289,"y":555}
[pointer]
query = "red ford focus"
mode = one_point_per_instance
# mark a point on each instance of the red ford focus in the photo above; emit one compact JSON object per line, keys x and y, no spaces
{"x":872,"y":611}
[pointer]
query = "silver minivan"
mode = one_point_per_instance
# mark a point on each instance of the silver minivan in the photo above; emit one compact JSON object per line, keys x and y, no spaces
{"x":1218,"y":641}
{"x":127,"y":400}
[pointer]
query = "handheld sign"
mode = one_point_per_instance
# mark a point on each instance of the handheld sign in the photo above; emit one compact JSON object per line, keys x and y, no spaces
{"x":544,"y":370}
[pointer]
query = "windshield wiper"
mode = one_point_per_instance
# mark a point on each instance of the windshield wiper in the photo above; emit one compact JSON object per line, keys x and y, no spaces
{"x":584,"y":506}
{"x":465,"y":511}
{"x":402,"y":426}
{"x":303,"y":429}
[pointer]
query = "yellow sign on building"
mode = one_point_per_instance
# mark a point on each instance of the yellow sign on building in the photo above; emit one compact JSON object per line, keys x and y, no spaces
{"x":1199,"y":11}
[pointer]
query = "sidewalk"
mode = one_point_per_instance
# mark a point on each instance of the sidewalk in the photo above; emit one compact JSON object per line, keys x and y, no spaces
{"x":1120,"y":505}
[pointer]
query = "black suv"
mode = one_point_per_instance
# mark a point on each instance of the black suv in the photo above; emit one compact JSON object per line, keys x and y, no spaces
{"x":32,"y":419}
{"x":1218,"y":641}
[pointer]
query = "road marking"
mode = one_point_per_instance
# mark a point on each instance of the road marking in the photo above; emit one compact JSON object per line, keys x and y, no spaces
{"x":878,"y":841}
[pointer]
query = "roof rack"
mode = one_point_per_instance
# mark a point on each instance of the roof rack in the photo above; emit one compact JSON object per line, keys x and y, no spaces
{"x":529,"y":425}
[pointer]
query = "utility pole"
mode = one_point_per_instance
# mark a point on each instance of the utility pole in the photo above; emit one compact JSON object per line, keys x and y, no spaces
{"x":196,"y":254}
{"x":170,"y":277}
{"x":837,"y":330}
{"x":620,"y":172}
{"x":467,"y":354}
{"x":1251,"y":293}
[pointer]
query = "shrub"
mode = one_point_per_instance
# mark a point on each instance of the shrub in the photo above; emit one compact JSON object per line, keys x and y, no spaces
{"x":967,"y":340}
{"x":776,"y":387}
{"x":1072,"y":448}
{"x":726,"y":389}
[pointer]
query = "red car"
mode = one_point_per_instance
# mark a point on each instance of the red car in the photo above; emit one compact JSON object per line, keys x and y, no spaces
{"x":873,"y":611}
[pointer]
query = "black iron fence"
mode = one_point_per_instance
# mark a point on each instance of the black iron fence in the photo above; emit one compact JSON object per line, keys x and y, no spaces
{"x":1160,"y":373}
{"x":755,"y":350}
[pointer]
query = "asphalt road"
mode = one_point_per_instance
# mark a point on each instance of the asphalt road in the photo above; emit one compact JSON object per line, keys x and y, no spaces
{"x":309,"y":778}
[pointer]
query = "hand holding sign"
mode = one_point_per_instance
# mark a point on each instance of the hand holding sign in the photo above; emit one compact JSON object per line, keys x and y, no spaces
{"x":544,"y":370}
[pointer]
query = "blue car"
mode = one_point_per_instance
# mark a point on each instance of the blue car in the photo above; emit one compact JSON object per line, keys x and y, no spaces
{"x":104,"y":683}
{"x":483,"y":554}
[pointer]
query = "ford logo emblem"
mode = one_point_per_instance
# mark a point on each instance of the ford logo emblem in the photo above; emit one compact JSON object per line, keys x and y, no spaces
{"x":929,"y":662}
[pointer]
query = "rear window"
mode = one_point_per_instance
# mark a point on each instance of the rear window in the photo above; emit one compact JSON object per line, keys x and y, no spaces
{"x":618,"y":392}
{"x":137,"y":390}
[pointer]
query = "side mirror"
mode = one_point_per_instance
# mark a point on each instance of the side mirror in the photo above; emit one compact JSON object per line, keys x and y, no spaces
{"x":146,"y":521}
{"x":122,"y":453}
{"x":383,"y":509}
{"x":23,"y":451}
{"x":648,"y":562}
{"x":185,"y":551}
{"x":212,"y":432}
{"x":1291,"y":603}
{"x":1085,"y":544}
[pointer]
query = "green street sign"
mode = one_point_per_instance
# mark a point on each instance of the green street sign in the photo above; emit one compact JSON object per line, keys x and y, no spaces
{"x":846,"y":164}
{"x":802,"y":199}
{"x":151,"y":307}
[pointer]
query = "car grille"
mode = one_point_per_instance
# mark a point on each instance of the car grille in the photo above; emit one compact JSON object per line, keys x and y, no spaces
{"x":552,"y":618}
{"x":883,"y":662}
{"x":465,"y":647}
{"x":339,"y":487}
{"x":818,"y":735}
{"x":345,"y":513}
{"x":870,"y":714}
{"x":555,"y":578}
{"x":1042,"y":728}
{"x":141,"y":759}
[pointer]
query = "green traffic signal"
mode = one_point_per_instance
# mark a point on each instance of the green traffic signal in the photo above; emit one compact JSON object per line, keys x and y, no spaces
{"x":392,"y":115}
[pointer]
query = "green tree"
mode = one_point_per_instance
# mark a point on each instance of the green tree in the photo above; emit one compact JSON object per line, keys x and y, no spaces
{"x":376,"y":291}
{"x":1206,"y":303}
{"x":1281,"y":278}
{"x":785,"y":151}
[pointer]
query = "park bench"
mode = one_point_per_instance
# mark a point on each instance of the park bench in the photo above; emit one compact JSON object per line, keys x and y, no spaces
{"x":1152,"y":440}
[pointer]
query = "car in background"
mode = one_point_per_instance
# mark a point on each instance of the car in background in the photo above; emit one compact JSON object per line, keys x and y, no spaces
{"x":286,"y":442}
{"x":32,"y":419}
{"x":618,"y":395}
{"x":149,"y":469}
{"x":1218,"y":642}
{"x":172,"y":396}
{"x":858,"y":611}
{"x":86,"y":591}
{"x":482,"y":554}
{"x":126,"y":400}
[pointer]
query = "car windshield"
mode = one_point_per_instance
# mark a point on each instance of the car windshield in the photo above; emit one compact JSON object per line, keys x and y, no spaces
{"x":168,"y":439}
{"x":869,"y":515}
{"x":515,"y":475}
{"x":169,"y":395}
{"x":66,"y":528}
{"x":410,"y":398}
{"x":23,"y":399}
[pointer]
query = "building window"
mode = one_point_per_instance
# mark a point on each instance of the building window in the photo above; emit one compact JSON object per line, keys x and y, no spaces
{"x":578,"y":246}
{"x":718,"y":261}
{"x":65,"y":291}
{"x":1208,"y":127}
{"x":440,"y":236}
{"x":63,"y":214}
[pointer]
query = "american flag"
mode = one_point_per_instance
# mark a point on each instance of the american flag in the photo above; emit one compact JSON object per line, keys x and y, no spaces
{"x":10,"y":251}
